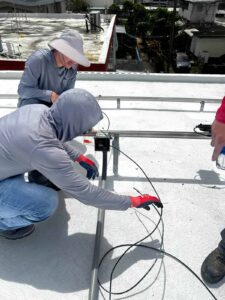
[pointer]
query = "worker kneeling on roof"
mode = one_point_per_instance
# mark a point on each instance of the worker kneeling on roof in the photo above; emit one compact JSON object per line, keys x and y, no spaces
{"x":34,"y":137}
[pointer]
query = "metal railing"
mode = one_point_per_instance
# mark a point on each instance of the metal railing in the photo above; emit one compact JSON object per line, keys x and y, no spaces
{"x":201,"y":101}
{"x":120,"y":99}
{"x":117,"y":134}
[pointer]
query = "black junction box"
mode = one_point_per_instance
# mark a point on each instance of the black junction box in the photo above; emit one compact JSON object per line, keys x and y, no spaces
{"x":102,"y":142}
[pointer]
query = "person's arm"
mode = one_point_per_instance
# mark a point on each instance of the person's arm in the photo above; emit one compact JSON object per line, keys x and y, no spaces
{"x":86,"y":163}
{"x":71,"y":82}
{"x":28,"y":86}
{"x":71,"y":151}
{"x":218,"y":131}
{"x":55,"y":164}
{"x":54,"y":96}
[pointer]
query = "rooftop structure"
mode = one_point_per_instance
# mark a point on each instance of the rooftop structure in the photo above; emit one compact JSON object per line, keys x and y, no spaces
{"x":198,"y":11}
{"x":206,"y":32}
{"x":22,"y":34}
{"x":154,"y":116}
{"x":47,"y":6}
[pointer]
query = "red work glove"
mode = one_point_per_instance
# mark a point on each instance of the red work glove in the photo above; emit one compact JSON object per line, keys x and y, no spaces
{"x":89,"y":165}
{"x":144,"y":201}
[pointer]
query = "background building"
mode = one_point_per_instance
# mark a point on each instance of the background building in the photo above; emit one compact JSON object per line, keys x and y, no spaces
{"x":22,"y":34}
{"x":198,"y":11}
{"x":205,"y":34}
{"x":159,"y":3}
{"x":38,"y":6}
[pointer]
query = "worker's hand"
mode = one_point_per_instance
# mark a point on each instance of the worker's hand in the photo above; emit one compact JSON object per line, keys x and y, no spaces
{"x":54,"y":97}
{"x":144,"y":201}
{"x":89,"y":165}
{"x":218,"y":138}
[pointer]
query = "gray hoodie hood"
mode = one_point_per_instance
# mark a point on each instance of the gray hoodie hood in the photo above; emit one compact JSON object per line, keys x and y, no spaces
{"x":75,"y":112}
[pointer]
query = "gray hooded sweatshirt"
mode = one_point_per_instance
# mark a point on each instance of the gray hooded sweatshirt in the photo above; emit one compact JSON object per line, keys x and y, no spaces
{"x":41,"y":76}
{"x":34,"y":137}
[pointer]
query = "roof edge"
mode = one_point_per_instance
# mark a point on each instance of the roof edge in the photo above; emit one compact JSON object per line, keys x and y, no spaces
{"x":134,"y":76}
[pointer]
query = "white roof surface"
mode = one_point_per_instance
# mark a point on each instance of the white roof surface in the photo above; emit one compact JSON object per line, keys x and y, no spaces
{"x":55,"y":261}
{"x":30,"y":32}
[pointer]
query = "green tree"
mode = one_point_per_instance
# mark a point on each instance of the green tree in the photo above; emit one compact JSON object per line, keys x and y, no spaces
{"x":142,"y":29}
{"x":114,"y":9}
{"x":139,"y":14}
{"x":161,"y":21}
{"x":128,"y":7}
{"x":77,"y":5}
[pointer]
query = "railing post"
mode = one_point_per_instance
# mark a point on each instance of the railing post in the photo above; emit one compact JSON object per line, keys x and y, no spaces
{"x":115,"y":143}
{"x":118,"y":102}
{"x":202,"y":105}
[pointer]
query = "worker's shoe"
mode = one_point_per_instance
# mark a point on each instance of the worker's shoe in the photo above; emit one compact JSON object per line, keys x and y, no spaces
{"x":18,"y":233}
{"x":213,"y":267}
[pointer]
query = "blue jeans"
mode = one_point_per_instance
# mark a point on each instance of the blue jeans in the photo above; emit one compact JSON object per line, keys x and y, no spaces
{"x":23,"y":203}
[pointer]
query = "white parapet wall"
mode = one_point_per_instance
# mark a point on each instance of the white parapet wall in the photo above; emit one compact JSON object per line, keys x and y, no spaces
{"x":134,"y":76}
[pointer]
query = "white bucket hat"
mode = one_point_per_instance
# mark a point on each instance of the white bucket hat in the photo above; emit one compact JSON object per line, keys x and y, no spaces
{"x":70,"y":44}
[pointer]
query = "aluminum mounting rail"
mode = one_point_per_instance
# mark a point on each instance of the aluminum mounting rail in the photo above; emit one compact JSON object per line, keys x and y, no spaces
{"x":117,"y":134}
{"x":94,"y":288}
{"x":152,"y":134}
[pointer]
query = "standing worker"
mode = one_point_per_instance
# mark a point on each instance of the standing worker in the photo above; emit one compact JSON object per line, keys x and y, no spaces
{"x":50,"y":72}
{"x":213,"y":267}
{"x":40,"y":143}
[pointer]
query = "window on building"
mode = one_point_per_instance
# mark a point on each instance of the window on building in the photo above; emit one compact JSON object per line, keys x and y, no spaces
{"x":199,"y":7}
{"x":184,"y":5}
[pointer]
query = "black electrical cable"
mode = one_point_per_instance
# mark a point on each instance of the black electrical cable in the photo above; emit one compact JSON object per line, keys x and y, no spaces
{"x":131,"y":246}
{"x":167,"y":254}
{"x":203,"y":128}
{"x":122,"y":255}
{"x":137,"y":244}
{"x":138,"y":167}
{"x":107,"y":119}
